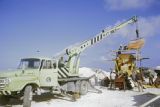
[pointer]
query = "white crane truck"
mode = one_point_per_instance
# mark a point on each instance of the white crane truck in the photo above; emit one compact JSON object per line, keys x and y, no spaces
{"x":57,"y":76}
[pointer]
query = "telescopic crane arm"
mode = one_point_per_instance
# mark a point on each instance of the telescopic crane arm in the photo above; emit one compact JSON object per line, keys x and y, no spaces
{"x":99,"y":37}
{"x":73,"y":53}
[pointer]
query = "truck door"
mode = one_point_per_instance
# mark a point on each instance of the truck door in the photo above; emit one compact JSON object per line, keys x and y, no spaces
{"x":48,"y":75}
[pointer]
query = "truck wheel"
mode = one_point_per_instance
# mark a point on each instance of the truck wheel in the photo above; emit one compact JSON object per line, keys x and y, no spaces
{"x":83,"y":87}
{"x":27,"y":98}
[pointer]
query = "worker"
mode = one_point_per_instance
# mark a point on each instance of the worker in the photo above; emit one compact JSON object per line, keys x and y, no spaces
{"x":157,"y":81}
{"x":119,"y":51}
{"x":113,"y":76}
{"x":139,"y":80}
{"x":127,"y":81}
{"x":61,"y":62}
{"x":151,"y":76}
{"x":133,"y":76}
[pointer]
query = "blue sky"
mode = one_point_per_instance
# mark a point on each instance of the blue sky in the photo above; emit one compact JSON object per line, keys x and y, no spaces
{"x":52,"y":25}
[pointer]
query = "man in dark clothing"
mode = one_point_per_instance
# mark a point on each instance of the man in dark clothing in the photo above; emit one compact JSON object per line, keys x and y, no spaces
{"x":157,"y":81}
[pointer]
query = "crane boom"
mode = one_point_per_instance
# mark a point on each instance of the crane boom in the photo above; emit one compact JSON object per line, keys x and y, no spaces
{"x":99,"y":37}
{"x":71,"y":67}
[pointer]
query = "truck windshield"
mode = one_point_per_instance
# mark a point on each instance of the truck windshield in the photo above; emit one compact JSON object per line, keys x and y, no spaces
{"x":29,"y":64}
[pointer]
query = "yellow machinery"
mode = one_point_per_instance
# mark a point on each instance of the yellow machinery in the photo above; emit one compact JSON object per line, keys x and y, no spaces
{"x":125,"y":60}
{"x":125,"y":63}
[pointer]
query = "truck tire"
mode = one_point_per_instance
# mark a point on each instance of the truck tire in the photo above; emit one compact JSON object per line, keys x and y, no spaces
{"x":27,"y":98}
{"x":83,"y":87}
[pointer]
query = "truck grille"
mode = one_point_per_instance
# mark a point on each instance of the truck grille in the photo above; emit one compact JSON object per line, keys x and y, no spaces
{"x":2,"y":83}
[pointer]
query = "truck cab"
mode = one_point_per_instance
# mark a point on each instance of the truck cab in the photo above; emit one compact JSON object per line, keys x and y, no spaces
{"x":37,"y":72}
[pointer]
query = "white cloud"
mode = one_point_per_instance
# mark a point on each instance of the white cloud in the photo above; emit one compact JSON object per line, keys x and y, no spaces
{"x":107,"y":57}
{"x":127,"y":4}
{"x":104,"y":58}
{"x":148,"y":26}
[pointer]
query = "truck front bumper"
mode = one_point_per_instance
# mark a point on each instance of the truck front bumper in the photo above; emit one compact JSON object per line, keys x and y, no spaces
{"x":5,"y":92}
{"x":4,"y":86}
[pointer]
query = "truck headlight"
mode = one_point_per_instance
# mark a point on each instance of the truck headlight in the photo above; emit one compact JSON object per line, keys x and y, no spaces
{"x":7,"y":80}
